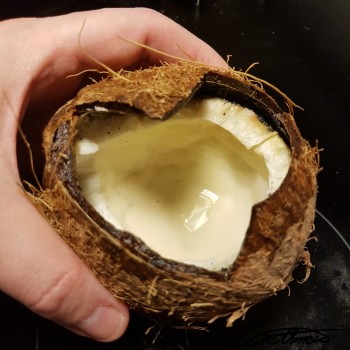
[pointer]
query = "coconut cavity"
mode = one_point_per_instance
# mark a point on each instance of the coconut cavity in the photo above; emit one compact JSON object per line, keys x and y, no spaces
{"x":185,"y":186}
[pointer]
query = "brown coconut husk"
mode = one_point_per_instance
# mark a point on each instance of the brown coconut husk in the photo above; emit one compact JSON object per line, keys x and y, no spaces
{"x":166,"y":290}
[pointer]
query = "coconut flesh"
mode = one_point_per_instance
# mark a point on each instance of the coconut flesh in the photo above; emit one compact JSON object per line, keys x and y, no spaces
{"x":185,"y":186}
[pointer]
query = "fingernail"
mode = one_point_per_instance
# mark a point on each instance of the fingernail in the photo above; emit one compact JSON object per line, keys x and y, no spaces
{"x":106,"y":323}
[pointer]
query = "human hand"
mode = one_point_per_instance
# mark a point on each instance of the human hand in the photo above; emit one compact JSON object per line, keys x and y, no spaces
{"x":36,"y":266}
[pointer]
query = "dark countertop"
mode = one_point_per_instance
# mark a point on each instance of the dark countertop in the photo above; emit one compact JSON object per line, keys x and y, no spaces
{"x":303,"y":48}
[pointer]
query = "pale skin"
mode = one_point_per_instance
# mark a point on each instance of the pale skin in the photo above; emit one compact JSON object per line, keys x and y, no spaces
{"x":36,"y":267}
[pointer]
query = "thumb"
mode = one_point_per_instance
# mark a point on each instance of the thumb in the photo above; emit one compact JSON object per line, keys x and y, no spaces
{"x":38,"y":269}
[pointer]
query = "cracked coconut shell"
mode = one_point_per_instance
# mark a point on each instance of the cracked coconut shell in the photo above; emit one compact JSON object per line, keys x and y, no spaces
{"x":163,"y":289}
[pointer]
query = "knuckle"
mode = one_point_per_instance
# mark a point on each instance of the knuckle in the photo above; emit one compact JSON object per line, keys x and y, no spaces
{"x":148,"y":12}
{"x":57,"y":297}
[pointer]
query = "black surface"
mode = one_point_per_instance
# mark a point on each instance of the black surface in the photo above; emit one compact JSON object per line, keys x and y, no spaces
{"x":303,"y":47}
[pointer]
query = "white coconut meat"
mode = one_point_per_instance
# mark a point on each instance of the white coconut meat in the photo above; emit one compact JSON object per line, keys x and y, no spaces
{"x":185,"y":186}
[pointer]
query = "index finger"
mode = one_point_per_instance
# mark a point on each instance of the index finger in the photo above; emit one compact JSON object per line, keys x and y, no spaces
{"x":102,"y":38}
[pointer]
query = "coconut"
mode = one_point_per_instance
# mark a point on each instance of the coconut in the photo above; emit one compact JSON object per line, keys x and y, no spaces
{"x":186,"y":190}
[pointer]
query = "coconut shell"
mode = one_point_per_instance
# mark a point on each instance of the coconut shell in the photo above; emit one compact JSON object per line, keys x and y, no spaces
{"x":166,"y":290}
